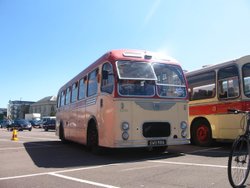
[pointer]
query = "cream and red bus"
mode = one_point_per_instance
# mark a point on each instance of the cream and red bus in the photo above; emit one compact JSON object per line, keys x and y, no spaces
{"x":125,"y":99}
{"x":212,"y":91}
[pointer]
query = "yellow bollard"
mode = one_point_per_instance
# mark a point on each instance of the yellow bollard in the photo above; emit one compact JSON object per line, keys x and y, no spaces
{"x":14,"y":135}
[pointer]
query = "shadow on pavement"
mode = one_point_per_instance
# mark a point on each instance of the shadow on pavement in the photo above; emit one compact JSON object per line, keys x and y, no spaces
{"x":55,"y":154}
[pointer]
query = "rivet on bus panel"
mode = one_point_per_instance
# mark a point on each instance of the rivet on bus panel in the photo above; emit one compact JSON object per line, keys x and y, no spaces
{"x":122,"y":105}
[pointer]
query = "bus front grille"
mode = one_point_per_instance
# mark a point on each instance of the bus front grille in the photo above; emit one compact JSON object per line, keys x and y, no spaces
{"x":156,"y":129}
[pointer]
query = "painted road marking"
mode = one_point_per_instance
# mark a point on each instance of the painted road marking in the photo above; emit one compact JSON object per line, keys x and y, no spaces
{"x":39,"y":138}
{"x":82,"y":181}
{"x":30,"y":147}
{"x":140,"y":168}
{"x":95,"y":167}
{"x":188,"y":164}
{"x":60,"y":171}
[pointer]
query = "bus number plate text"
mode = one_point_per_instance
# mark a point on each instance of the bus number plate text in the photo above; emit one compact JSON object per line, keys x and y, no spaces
{"x":157,"y":142}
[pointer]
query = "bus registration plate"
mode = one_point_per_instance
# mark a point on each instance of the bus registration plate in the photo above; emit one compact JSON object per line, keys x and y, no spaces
{"x":157,"y":142}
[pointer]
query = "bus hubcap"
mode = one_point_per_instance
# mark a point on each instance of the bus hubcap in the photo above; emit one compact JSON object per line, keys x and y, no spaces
{"x":202,"y":133}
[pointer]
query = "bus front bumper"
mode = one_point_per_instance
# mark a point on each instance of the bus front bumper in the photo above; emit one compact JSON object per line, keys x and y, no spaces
{"x":148,"y":142}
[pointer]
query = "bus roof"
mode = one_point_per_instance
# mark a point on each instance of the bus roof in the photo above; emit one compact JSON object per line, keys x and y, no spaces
{"x":121,"y":54}
{"x":218,"y":65}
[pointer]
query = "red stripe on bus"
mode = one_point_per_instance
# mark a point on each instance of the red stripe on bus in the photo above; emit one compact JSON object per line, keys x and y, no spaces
{"x":218,"y":108}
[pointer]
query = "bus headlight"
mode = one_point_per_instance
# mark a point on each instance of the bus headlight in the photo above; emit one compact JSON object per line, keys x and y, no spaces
{"x":183,"y":125}
{"x":125,"y":126}
{"x":125,"y":135}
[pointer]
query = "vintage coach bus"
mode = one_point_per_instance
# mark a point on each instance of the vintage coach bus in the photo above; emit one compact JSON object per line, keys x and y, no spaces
{"x":125,"y":99}
{"x":212,"y":91}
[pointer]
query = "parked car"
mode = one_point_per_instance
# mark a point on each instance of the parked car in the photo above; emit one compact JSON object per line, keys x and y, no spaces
{"x":4,"y":123}
{"x":20,"y":124}
{"x":49,"y":124}
{"x":47,"y":118}
{"x":36,"y":123}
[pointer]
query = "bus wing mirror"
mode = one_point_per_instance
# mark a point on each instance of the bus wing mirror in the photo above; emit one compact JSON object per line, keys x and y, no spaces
{"x":105,"y":74}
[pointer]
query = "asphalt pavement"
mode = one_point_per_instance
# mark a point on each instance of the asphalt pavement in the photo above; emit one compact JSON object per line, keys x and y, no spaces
{"x":39,"y":159}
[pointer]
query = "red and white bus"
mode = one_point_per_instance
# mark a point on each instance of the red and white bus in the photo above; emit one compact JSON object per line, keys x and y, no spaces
{"x":125,"y":99}
{"x":212,"y":91}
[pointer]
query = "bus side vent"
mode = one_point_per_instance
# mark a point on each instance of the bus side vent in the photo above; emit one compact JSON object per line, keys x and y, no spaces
{"x":156,"y":129}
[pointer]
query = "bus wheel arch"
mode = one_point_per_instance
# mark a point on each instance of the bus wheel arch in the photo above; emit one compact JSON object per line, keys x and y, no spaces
{"x":201,"y":132}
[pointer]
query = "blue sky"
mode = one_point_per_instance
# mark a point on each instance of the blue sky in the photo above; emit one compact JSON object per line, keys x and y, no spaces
{"x":44,"y":43}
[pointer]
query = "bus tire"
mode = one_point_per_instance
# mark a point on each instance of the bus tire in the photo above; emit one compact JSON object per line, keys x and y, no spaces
{"x":201,"y":133}
{"x":92,"y":139}
{"x":61,"y":134}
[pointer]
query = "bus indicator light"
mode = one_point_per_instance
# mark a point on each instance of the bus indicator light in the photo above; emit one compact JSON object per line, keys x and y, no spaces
{"x":125,"y":135}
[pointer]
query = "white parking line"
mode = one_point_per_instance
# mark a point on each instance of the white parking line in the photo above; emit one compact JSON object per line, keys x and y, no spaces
{"x":210,"y":150}
{"x":83,"y":181}
{"x":140,"y":168}
{"x":39,"y":138}
{"x":60,"y":171}
{"x":36,"y":146}
{"x":187,"y":164}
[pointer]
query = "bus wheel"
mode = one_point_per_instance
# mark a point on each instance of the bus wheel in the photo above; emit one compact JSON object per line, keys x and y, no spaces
{"x":61,"y":134}
{"x":92,"y":140}
{"x":202,"y":134}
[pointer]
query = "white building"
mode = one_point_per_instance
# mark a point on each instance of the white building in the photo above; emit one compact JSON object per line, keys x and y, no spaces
{"x":17,"y":109}
{"x":45,"y":106}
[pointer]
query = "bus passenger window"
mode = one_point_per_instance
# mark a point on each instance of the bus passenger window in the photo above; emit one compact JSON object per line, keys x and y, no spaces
{"x":68,"y":93}
{"x":74,"y":92}
{"x":81,"y":90}
{"x":62,"y":103}
{"x":202,"y":86}
{"x":246,"y":79}
{"x":92,"y":83}
{"x":228,"y":82}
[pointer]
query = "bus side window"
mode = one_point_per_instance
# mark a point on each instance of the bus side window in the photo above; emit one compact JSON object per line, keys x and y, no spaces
{"x":82,"y":88}
{"x":68,"y":94}
{"x":92,"y":83}
{"x":228,"y":82}
{"x":62,"y":103}
{"x":74,"y":92}
{"x":202,"y":86}
{"x":107,"y":84}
